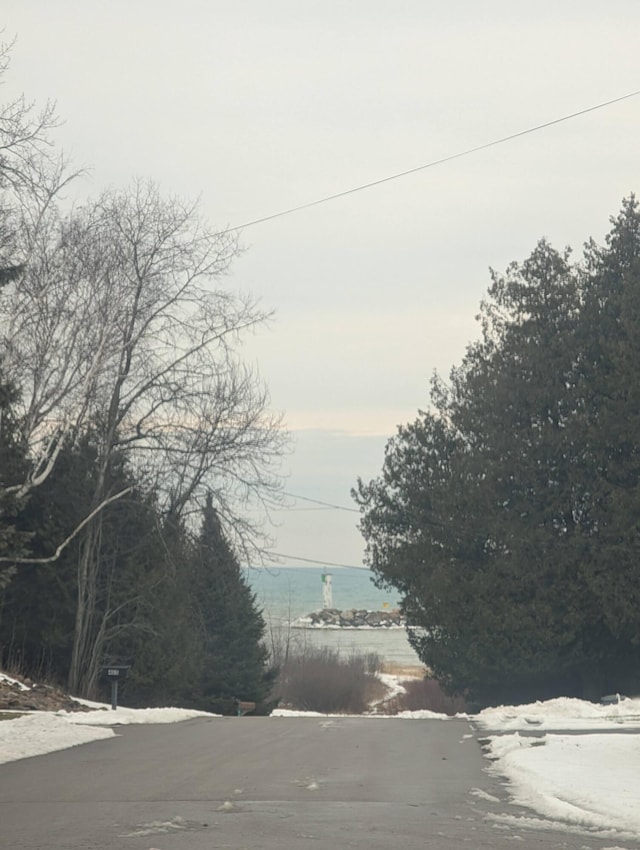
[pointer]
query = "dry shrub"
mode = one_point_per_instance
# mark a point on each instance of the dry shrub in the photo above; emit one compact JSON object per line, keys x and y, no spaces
{"x":320,"y":679}
{"x":427,"y":694}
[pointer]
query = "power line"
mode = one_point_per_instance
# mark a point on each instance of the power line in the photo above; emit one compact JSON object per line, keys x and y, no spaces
{"x":324,"y":504}
{"x":320,"y":563}
{"x":432,"y":164}
{"x":310,"y":510}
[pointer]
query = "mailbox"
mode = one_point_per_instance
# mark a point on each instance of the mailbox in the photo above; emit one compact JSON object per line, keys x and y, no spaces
{"x":115,"y":673}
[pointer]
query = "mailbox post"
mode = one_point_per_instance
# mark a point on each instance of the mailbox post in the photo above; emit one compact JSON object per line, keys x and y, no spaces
{"x":115,"y":673}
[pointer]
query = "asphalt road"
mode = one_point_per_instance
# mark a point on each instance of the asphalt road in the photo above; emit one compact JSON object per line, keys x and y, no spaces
{"x":267,"y":783}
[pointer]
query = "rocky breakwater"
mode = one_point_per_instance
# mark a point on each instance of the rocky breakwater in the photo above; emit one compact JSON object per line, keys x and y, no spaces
{"x":332,"y":618}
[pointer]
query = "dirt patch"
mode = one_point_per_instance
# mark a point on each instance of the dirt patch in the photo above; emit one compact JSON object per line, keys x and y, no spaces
{"x":35,"y":697}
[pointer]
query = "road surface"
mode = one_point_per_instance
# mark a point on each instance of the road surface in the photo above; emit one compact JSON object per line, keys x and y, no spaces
{"x":267,"y":783}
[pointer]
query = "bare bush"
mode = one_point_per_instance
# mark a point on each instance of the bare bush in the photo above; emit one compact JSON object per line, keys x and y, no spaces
{"x":320,"y":679}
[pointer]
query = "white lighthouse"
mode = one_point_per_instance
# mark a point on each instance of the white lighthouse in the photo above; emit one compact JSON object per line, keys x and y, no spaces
{"x":327,"y":592}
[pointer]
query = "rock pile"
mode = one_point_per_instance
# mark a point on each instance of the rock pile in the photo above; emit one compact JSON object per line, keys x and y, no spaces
{"x":332,"y":618}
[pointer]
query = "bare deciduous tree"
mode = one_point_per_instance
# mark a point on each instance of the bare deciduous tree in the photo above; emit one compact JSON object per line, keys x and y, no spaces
{"x":32,"y":174}
{"x":112,"y":317}
{"x":32,"y":171}
{"x":118,"y":321}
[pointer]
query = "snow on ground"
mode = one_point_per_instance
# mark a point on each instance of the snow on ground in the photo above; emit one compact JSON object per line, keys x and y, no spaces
{"x":587,"y":780}
{"x":393,"y":685}
{"x":20,"y":685}
{"x":574,"y":764}
{"x":125,"y":716}
{"x":562,"y":714}
{"x":402,"y":715}
{"x":41,"y":732}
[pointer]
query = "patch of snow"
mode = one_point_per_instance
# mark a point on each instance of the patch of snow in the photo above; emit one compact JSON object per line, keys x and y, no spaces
{"x":393,"y":684}
{"x":424,"y":714}
{"x":21,"y":685}
{"x":158,"y":828}
{"x":483,"y":795}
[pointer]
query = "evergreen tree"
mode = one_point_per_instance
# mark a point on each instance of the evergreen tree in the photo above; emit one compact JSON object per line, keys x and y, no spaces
{"x":178,"y":611}
{"x":164,"y":649}
{"x":38,"y":617}
{"x":609,"y":438}
{"x":507,"y":516}
{"x":233,"y":661}
{"x":36,"y":622}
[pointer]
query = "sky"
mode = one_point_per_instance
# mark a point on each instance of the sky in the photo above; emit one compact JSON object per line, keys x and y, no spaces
{"x":257,"y":107}
{"x":578,"y":772}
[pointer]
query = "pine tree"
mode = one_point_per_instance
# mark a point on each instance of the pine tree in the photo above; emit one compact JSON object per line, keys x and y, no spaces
{"x":233,"y":662}
{"x":164,"y":649}
{"x":39,"y":608}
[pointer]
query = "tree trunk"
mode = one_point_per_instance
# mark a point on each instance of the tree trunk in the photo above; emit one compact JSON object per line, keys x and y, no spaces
{"x":88,"y":565}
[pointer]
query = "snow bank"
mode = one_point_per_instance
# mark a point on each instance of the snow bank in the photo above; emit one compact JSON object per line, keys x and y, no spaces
{"x":588,"y":781}
{"x":561,"y":714}
{"x":45,"y":731}
{"x":585,"y":781}
{"x":124,"y":716}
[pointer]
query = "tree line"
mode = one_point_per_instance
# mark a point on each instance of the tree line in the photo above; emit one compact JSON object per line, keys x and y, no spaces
{"x":135,"y":444}
{"x":508,"y":512}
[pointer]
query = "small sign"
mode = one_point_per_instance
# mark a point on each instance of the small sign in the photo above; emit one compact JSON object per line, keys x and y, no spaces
{"x":116,"y":672}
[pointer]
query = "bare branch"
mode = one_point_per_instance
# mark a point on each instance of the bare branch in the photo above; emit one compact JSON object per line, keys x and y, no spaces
{"x":51,"y":558}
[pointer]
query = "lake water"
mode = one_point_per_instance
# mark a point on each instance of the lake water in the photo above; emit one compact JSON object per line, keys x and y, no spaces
{"x":286,"y":593}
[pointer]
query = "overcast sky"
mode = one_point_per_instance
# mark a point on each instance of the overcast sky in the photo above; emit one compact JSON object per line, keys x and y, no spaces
{"x":258,"y":106}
